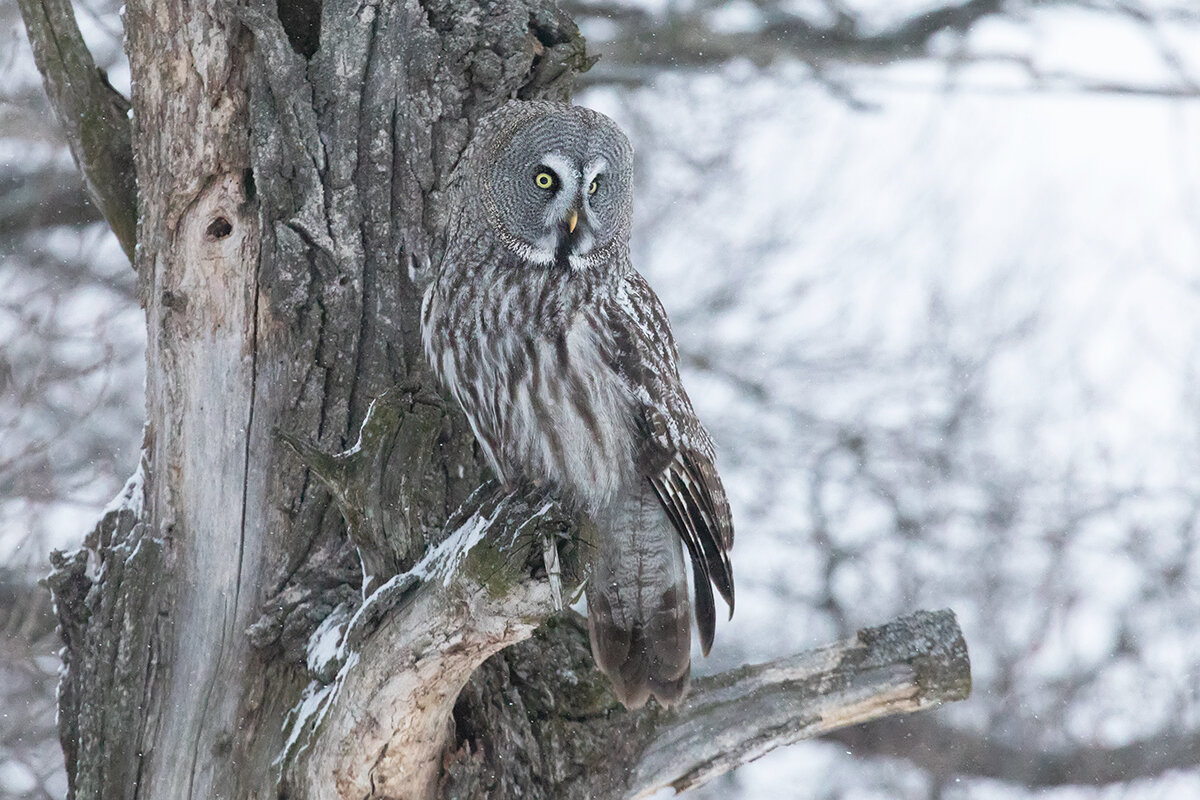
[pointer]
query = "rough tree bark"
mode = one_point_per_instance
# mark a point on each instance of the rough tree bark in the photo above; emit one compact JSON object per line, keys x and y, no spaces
{"x":218,"y":643}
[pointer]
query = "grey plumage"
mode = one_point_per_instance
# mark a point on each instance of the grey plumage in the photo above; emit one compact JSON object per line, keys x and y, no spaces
{"x":562,"y":358}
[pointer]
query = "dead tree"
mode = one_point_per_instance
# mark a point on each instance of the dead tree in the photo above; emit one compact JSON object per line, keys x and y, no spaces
{"x":269,"y":612}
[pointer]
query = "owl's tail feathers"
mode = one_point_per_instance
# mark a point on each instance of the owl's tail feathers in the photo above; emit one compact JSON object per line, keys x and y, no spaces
{"x":642,"y":659}
{"x":638,"y":612}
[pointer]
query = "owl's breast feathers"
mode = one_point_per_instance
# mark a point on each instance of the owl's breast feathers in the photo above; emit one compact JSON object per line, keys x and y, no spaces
{"x":525,"y":355}
{"x":572,"y":379}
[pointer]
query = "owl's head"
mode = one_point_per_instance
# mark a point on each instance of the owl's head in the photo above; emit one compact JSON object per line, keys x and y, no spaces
{"x":556,"y":183}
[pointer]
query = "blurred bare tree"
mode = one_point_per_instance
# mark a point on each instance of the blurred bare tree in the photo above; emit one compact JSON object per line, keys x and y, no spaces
{"x":866,"y":482}
{"x":71,"y":374}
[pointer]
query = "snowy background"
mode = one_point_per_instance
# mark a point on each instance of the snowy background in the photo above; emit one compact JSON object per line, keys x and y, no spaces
{"x":940,"y":309}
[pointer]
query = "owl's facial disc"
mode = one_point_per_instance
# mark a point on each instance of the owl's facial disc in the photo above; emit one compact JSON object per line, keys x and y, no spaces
{"x":557,"y":188}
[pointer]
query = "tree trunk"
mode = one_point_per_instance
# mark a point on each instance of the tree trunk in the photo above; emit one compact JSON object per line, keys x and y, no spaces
{"x":285,"y":207}
{"x":218,"y":644}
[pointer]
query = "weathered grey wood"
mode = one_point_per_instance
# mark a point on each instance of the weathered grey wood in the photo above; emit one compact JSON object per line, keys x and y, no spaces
{"x":162,"y":614}
{"x":108,"y":611}
{"x":362,"y":480}
{"x":907,"y":665}
{"x":348,"y":151}
{"x":93,"y":115}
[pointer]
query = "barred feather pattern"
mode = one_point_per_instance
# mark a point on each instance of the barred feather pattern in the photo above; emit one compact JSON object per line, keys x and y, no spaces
{"x":523,"y":352}
{"x":567,"y":372}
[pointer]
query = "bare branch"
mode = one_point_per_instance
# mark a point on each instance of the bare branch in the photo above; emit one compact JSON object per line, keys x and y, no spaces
{"x":41,"y":199}
{"x":909,"y":664}
{"x":386,"y":677}
{"x":26,"y":614}
{"x":686,"y":37}
{"x":636,"y":45}
{"x":93,"y":114}
{"x":580,"y":744}
{"x":942,"y":749}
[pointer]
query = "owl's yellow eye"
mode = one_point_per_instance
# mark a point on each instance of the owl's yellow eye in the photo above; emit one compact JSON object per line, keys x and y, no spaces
{"x":544,"y":180}
{"x":595,"y":184}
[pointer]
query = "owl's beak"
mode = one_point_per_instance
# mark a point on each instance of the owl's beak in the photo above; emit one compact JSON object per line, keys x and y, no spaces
{"x":572,"y":220}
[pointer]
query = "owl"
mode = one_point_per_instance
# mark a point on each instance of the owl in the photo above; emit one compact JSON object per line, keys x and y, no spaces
{"x":561,"y":356}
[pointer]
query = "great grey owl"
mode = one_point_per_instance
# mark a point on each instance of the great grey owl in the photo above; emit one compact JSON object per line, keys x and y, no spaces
{"x":561,"y":356}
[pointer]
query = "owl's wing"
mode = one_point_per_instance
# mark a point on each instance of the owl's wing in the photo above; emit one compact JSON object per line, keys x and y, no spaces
{"x":675,"y":452}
